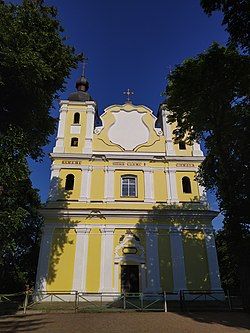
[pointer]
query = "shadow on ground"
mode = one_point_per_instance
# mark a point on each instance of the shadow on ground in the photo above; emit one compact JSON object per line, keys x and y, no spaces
{"x":23,"y":323}
{"x":237,"y":319}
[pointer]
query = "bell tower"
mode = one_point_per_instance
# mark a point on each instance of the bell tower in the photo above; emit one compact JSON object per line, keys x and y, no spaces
{"x":76,"y":122}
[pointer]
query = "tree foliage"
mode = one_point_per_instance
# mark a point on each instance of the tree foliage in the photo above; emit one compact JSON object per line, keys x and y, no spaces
{"x":209,"y":99}
{"x":236,"y":19}
{"x":229,"y":269}
{"x":34,"y":62}
{"x":20,"y":222}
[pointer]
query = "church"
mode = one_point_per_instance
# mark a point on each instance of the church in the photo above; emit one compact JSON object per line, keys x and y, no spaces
{"x":125,"y":212}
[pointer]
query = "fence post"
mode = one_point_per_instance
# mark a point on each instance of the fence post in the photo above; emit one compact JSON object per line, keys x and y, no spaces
{"x":141,"y":300}
{"x":229,"y":300}
{"x":181,"y":301}
{"x":76,"y":297}
{"x":25,"y":303}
{"x":124,"y":301}
{"x":165,"y":302}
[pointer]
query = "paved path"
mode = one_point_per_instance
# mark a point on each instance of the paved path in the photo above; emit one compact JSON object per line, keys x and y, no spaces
{"x":135,"y":322}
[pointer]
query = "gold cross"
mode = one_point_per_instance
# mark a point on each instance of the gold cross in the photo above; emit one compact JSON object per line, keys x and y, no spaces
{"x":128,"y":93}
{"x":84,"y":62}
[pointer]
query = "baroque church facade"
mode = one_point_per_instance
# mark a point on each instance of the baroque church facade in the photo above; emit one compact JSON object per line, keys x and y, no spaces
{"x":125,"y":212}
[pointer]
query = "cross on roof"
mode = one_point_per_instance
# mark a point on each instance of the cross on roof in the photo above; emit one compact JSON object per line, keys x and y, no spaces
{"x":128,"y":93}
{"x":84,"y":62}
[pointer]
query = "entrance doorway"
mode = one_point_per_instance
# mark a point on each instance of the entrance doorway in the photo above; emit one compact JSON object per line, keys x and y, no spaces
{"x":130,"y":278}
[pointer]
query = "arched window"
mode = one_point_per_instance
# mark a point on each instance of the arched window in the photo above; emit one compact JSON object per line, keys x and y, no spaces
{"x":128,"y":186}
{"x":186,"y":185}
{"x":69,"y":183}
{"x":76,"y":118}
{"x":182,"y":145}
{"x":74,"y":142}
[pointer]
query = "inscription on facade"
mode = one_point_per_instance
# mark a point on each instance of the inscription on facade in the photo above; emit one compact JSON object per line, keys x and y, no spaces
{"x":184,"y":164}
{"x":129,"y":163}
{"x":71,"y":162}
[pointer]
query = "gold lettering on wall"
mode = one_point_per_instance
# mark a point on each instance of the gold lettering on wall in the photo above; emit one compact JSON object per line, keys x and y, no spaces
{"x":184,"y":164}
{"x":129,"y":163}
{"x":71,"y":162}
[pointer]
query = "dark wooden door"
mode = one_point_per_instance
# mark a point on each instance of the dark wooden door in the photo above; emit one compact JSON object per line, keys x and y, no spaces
{"x":130,"y":278}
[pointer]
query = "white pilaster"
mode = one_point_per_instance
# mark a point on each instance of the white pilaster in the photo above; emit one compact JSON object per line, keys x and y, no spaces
{"x":197,"y":149}
{"x":86,"y":184}
{"x":203,"y":195}
{"x":152,"y":260}
{"x":81,"y":259}
{"x":109,"y":186}
{"x":44,"y":257}
{"x":168,"y":134}
{"x":107,"y":252}
{"x":171,"y":186}
{"x":143,"y":278}
{"x":116,"y":276}
{"x":54,"y":181}
{"x":178,"y":264}
{"x":213,"y":266}
{"x":149,"y":185}
{"x":90,"y":110}
{"x":59,"y":148}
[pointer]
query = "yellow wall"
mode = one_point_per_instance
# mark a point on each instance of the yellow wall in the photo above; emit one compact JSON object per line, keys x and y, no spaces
{"x":195,"y":258}
{"x":160,"y":186}
{"x":183,"y":152}
{"x":140,"y":185}
{"x":165,"y":261}
{"x":70,"y":122}
{"x":70,"y":194}
{"x":94,"y":260}
{"x":97,"y":185}
{"x":61,"y":263}
{"x":194,"y":195}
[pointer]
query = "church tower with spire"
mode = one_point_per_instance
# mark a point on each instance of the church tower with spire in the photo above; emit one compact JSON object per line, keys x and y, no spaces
{"x":125,"y":212}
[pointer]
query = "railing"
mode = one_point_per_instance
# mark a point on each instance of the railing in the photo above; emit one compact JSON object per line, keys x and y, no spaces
{"x":77,"y":301}
{"x":204,"y":299}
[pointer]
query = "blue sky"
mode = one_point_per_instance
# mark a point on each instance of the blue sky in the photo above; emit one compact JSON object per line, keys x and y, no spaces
{"x":129,"y":44}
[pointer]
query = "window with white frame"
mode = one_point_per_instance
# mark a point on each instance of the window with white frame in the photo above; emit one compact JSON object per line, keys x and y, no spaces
{"x":128,"y":186}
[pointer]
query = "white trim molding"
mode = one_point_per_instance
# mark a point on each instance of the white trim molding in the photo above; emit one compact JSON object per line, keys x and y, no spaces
{"x":59,"y":147}
{"x":152,"y":260}
{"x":212,"y":259}
{"x":90,"y":110}
{"x":106,"y":272}
{"x":44,"y":257}
{"x":81,"y":258}
{"x":171,"y":186}
{"x":149,"y":185}
{"x":54,"y":182}
{"x":86,"y":183}
{"x":197,"y":149}
{"x":178,"y":263}
{"x":109,"y":183}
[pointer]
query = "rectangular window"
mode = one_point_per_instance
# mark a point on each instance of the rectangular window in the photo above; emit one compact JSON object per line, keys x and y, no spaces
{"x":129,"y":186}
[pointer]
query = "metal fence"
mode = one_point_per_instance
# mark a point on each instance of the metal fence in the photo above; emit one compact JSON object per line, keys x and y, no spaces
{"x":75,"y":301}
{"x":204,"y":300}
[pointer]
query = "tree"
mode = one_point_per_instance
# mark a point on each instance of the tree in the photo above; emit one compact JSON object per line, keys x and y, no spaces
{"x":20,"y":222}
{"x":34,"y":63}
{"x":228,"y":268}
{"x":209,"y":97}
{"x":236,"y":18}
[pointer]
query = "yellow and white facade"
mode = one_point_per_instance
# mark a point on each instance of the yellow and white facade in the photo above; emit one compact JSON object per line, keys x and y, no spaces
{"x":125,"y":211}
